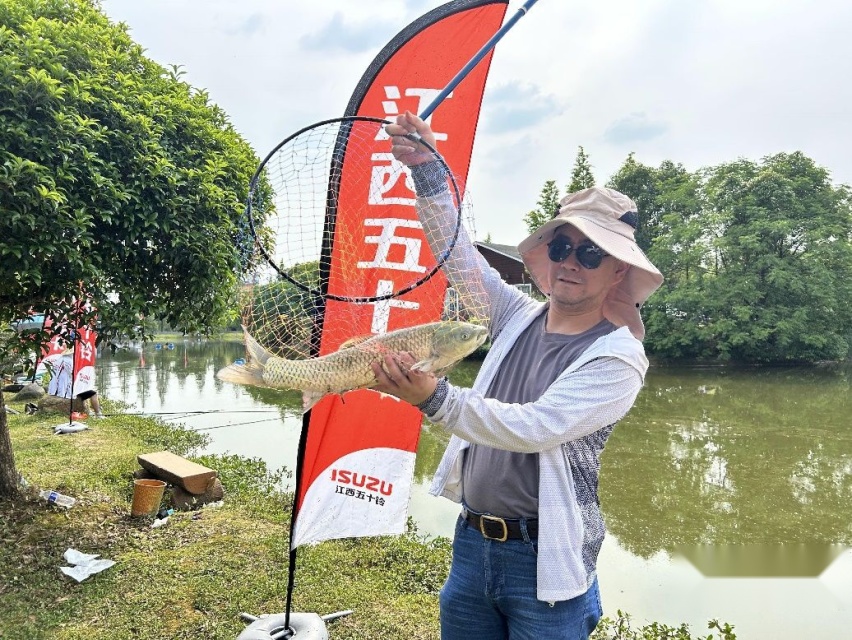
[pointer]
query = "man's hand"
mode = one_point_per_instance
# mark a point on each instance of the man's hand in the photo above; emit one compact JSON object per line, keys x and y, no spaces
{"x":408,"y":151}
{"x":397,"y":379}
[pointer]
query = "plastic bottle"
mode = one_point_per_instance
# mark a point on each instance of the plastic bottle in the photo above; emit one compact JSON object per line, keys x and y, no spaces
{"x":54,"y":497}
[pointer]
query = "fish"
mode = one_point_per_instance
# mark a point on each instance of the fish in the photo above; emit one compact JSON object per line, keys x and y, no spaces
{"x":436,"y":347}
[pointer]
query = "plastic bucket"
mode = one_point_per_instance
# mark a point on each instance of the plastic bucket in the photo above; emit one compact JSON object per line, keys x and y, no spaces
{"x":147,"y":495}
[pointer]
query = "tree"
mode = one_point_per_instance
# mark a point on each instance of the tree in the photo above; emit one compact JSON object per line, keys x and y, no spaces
{"x":548,"y":206}
{"x":782,"y":261}
{"x":672,"y":231}
{"x":581,"y":176}
{"x":756,"y":255}
{"x":115,"y":176}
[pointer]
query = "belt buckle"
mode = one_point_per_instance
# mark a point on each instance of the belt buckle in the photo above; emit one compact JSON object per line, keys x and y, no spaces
{"x":502,"y":522}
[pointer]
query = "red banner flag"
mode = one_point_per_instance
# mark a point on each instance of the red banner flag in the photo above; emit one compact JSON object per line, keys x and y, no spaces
{"x":357,"y":464}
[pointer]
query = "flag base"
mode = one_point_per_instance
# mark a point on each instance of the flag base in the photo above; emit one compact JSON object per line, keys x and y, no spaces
{"x":303,"y":626}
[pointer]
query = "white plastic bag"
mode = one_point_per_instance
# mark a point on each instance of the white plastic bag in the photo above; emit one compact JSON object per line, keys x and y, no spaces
{"x":86,"y":564}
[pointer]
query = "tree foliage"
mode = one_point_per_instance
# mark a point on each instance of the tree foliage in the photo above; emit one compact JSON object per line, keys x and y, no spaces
{"x":781,"y":261}
{"x":546,"y":207}
{"x":282,"y":316}
{"x":119,"y":184}
{"x":114,"y":174}
{"x":757,"y":259}
{"x":581,"y":175}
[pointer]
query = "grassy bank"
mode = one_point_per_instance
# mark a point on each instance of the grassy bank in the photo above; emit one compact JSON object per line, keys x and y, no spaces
{"x":178,"y":338}
{"x":192,"y":577}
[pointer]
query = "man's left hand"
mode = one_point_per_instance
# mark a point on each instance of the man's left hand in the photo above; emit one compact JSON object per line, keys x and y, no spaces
{"x":396,"y":378}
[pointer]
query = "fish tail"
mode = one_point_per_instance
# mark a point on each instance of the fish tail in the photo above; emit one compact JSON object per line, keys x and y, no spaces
{"x":245,"y":374}
{"x":256,"y":352}
{"x":250,"y":373}
{"x":310,"y":398}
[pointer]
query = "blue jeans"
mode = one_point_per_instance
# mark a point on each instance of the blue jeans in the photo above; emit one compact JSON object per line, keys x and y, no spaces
{"x":490,"y":594}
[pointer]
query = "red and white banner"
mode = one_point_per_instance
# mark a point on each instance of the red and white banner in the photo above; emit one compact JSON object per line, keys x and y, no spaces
{"x":84,"y":360}
{"x":71,"y":357}
{"x":356,"y":469}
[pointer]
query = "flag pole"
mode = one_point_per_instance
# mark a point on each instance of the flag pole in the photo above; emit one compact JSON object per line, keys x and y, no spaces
{"x":291,"y":569}
{"x":75,"y":339}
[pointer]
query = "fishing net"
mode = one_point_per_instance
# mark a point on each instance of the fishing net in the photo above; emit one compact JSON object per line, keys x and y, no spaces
{"x":342,"y":253}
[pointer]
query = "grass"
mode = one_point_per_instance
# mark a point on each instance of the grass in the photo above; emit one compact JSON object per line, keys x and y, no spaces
{"x":196,"y":574}
{"x":192,"y":577}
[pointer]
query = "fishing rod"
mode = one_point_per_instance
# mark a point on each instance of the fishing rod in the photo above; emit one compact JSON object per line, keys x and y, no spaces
{"x":194,"y":413}
{"x":237,"y":424}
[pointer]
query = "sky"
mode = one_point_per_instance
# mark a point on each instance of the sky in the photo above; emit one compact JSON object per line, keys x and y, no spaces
{"x":698,"y":82}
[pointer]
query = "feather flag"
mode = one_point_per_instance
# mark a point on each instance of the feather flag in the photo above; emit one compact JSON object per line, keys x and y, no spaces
{"x":71,"y":355}
{"x":356,"y":458}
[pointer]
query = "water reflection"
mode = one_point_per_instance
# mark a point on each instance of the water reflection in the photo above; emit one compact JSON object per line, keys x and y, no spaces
{"x":765,"y":458}
{"x":706,"y":456}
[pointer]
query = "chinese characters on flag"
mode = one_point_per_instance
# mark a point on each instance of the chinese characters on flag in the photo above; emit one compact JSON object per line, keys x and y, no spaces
{"x":357,"y":469}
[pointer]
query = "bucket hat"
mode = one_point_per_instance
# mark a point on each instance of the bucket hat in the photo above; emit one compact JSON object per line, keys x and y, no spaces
{"x":608,"y":218}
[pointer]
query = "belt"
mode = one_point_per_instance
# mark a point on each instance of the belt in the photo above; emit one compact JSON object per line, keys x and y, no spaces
{"x":501,"y":529}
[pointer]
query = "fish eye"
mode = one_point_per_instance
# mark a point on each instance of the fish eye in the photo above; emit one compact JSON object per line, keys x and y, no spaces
{"x":465,"y":335}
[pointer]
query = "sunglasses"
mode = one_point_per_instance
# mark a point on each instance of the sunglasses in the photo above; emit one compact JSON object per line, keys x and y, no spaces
{"x":589,"y":255}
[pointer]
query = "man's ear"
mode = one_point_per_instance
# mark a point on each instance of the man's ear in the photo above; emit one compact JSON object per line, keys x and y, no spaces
{"x":621,"y":271}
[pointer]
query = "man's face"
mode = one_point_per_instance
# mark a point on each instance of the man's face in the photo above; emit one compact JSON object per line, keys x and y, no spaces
{"x":576,"y":288}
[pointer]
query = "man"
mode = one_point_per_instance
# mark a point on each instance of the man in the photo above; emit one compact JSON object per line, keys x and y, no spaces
{"x":524,"y":455}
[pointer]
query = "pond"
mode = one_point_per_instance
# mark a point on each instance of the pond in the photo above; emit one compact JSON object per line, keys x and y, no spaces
{"x":717,"y":467}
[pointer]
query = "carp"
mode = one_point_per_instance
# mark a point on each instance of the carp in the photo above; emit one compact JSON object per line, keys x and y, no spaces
{"x":436,"y":347}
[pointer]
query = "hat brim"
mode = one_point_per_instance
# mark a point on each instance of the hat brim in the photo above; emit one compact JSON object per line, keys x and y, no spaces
{"x":622,"y":304}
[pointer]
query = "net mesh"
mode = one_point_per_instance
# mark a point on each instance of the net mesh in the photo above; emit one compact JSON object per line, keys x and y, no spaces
{"x":343,"y":253}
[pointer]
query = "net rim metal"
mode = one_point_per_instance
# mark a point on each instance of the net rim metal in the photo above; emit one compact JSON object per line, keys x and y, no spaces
{"x":321,"y":293}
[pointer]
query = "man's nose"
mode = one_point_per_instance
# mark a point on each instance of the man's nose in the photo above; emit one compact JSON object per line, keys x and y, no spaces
{"x":571,"y":261}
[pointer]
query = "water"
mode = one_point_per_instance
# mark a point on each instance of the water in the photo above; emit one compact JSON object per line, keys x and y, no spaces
{"x":707,"y":457}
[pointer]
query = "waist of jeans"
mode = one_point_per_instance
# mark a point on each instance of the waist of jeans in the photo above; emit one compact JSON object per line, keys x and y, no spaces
{"x":501,"y":529}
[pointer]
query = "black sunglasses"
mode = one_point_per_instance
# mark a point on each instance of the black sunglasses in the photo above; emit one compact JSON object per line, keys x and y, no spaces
{"x":589,"y":255}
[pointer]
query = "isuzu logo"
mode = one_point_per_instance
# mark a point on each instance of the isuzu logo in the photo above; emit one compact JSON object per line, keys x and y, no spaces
{"x":361,"y":480}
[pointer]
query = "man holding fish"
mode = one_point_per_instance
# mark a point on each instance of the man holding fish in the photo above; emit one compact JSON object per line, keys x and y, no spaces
{"x":524,"y":455}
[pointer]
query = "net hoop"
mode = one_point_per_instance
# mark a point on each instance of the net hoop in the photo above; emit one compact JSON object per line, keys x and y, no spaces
{"x":322,"y":293}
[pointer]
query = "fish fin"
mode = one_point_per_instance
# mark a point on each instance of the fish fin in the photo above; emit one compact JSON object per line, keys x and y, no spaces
{"x":384,"y":395}
{"x":425,"y":366}
{"x":310,"y":398}
{"x":353,"y":341}
{"x":245,"y":374}
{"x":255,"y":350}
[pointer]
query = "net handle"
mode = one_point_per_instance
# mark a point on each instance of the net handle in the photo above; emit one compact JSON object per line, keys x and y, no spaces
{"x":478,"y":56}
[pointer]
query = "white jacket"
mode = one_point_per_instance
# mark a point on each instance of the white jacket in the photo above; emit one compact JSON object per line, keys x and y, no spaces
{"x":594,"y":392}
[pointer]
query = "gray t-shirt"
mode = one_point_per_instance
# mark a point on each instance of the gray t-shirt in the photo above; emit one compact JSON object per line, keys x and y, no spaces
{"x":505,"y":483}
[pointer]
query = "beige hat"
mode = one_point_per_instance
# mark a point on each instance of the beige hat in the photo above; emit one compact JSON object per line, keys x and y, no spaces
{"x":608,"y":218}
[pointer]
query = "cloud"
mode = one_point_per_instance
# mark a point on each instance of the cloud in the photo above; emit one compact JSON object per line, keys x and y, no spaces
{"x":351,"y":38}
{"x":420,"y":5}
{"x":514,"y":106}
{"x":247,"y":27}
{"x":634,"y":128}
